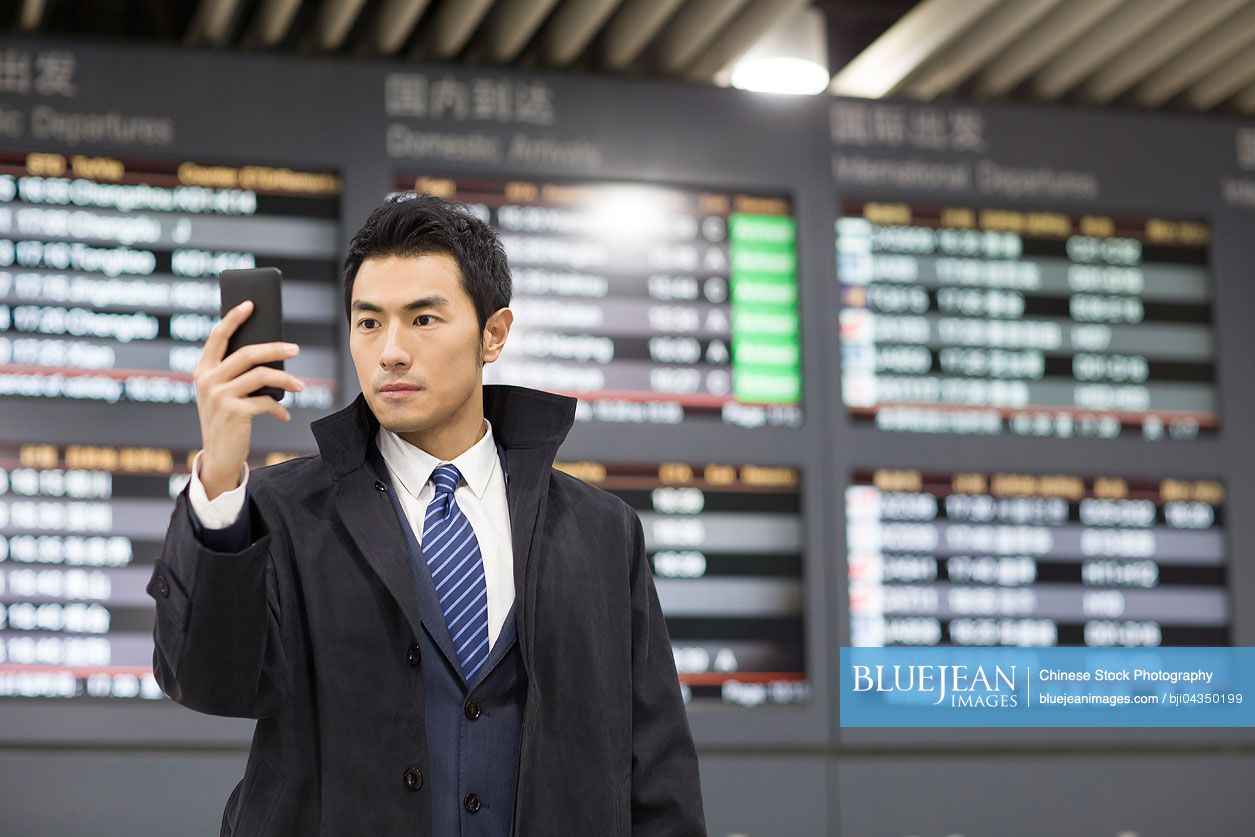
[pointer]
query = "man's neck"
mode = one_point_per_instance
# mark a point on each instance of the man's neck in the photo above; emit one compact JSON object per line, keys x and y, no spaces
{"x":450,"y":441}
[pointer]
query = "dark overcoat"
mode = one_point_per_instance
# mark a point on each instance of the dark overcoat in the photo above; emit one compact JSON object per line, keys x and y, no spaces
{"x":310,"y":630}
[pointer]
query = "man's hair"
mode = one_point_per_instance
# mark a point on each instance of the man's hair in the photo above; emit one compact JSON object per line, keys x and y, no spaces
{"x":409,"y":224}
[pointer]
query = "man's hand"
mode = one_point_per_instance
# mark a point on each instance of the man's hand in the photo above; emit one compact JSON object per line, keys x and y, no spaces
{"x":223,"y":403}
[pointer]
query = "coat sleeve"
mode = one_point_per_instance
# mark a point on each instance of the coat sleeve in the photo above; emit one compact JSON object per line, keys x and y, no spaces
{"x":219,"y":646}
{"x":666,"y":790}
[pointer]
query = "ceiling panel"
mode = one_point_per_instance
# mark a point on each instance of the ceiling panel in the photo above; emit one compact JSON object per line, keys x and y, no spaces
{"x":1196,"y":55}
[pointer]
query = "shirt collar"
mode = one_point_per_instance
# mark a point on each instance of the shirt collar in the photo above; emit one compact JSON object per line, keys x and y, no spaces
{"x":413,"y":466}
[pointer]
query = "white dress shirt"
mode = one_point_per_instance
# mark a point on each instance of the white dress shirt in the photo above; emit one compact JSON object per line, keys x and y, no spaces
{"x":481,"y":496}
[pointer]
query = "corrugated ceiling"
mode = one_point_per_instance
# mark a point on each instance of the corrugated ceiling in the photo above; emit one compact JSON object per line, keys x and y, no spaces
{"x":1194,"y":55}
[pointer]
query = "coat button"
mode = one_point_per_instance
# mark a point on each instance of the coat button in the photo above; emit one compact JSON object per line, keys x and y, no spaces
{"x":380,"y":485}
{"x":413,"y":778}
{"x":414,"y":656}
{"x":472,"y":709}
{"x":471,"y":803}
{"x":162,"y":586}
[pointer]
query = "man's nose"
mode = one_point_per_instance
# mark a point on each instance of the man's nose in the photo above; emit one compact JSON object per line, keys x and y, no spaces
{"x":394,"y":352}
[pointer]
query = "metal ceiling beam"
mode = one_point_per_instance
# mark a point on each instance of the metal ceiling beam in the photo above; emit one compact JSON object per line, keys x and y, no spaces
{"x":451,"y":27}
{"x":1245,"y":101}
{"x":740,"y":35}
{"x":1229,"y":78}
{"x":881,"y":69}
{"x":953,"y":65}
{"x":31,"y":15}
{"x":1200,"y":58}
{"x":1157,"y":46}
{"x":1105,"y":39}
{"x":632,"y":28}
{"x":693,"y":27}
{"x":571,"y":28}
{"x":393,"y":25}
{"x":1024,"y":56}
{"x":210,"y":23}
{"x":511,"y":25}
{"x":335,"y":19}
{"x":272,"y":22}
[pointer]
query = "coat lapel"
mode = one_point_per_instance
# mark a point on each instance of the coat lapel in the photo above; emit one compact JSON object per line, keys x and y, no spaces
{"x":529,"y":426}
{"x":428,"y":603}
{"x":366,"y":514}
{"x":523,"y":497}
{"x":507,"y":638}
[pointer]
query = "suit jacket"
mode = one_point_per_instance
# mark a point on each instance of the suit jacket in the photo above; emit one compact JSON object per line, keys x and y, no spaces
{"x":312,"y":630}
{"x":473,"y":730}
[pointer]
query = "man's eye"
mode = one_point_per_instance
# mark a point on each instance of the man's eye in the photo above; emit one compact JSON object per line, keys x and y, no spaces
{"x":423,"y":317}
{"x":365,"y":321}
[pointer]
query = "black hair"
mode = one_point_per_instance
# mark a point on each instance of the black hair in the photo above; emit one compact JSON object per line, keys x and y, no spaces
{"x":410,"y":224}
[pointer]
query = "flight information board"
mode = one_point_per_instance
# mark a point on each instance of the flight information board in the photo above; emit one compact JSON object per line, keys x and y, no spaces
{"x":1034,"y":560}
{"x":648,"y":303}
{"x":81,"y":527}
{"x":957,"y":319}
{"x":725,"y":543}
{"x":108,"y":272}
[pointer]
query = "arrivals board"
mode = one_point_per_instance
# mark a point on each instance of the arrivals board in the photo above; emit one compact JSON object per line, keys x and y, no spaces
{"x":979,"y":320}
{"x":81,"y":527}
{"x":975,"y":558}
{"x":108,"y":272}
{"x":725,"y":544}
{"x":650,"y":304}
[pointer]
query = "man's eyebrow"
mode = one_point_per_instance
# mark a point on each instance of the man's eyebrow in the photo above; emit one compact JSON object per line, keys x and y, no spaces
{"x":435,"y":301}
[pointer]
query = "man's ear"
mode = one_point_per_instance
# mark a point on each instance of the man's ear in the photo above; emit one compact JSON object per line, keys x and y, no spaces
{"x":496,"y":330}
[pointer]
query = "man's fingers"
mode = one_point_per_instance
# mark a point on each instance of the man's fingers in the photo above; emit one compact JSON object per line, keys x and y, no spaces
{"x":263,"y":376}
{"x":255,"y":354}
{"x":216,"y":342}
{"x":259,"y":404}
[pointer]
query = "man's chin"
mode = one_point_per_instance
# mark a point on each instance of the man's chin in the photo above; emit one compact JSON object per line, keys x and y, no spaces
{"x":393,"y":411}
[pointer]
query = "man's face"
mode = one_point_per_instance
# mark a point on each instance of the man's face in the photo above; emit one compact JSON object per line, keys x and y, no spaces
{"x":412,"y":325}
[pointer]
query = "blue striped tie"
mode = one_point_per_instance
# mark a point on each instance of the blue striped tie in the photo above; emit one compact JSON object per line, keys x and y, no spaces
{"x":457,"y":571}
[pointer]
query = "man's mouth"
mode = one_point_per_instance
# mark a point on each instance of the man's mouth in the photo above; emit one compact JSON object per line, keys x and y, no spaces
{"x":398,"y":390}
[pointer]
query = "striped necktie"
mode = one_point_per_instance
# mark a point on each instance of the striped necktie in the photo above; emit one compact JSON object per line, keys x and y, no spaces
{"x":457,"y":571}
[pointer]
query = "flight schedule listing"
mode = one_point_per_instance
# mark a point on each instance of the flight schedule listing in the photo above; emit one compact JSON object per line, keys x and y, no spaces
{"x":1035,"y":560}
{"x":649,"y":304}
{"x":725,"y":544}
{"x":81,"y":527}
{"x":108,"y":272}
{"x":990,"y":321}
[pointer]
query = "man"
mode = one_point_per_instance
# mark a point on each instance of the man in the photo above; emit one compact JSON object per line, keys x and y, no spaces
{"x":438,"y":633}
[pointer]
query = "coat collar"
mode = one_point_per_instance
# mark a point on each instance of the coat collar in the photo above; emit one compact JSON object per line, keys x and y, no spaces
{"x":428,"y":603}
{"x":521,"y":418}
{"x":414,"y":466}
{"x":528,"y":425}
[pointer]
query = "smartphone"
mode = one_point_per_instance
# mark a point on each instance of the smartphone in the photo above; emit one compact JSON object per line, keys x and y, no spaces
{"x":265,"y":325}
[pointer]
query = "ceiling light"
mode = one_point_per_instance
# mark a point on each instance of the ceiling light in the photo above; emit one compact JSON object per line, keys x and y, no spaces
{"x":790,"y":57}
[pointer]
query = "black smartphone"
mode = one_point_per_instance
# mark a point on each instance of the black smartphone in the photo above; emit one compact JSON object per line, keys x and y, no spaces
{"x":263,"y":285}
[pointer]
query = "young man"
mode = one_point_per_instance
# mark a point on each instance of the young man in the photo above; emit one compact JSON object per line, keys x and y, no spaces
{"x":438,"y":633}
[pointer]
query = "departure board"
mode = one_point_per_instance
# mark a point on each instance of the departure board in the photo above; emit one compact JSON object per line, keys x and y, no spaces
{"x":647,"y":303}
{"x":990,"y":321}
{"x":108,"y":272}
{"x":725,"y":543}
{"x":1035,"y":560}
{"x":81,"y":527}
